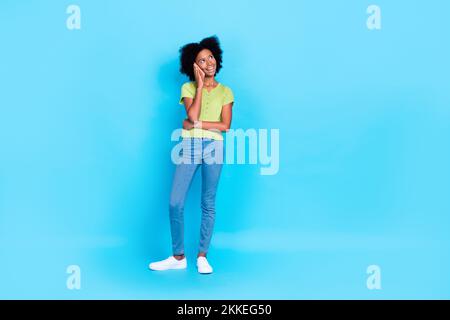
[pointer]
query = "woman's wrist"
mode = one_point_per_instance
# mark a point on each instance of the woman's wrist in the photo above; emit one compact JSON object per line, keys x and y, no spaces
{"x":197,"y":124}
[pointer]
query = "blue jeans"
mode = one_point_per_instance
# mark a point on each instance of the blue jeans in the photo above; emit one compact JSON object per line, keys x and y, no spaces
{"x":195,"y":152}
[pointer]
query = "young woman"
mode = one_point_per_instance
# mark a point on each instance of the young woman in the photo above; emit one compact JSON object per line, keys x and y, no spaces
{"x":208,"y":105}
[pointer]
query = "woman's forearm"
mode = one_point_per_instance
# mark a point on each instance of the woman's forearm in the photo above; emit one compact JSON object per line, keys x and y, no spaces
{"x":195,"y":108}
{"x":221,"y":126}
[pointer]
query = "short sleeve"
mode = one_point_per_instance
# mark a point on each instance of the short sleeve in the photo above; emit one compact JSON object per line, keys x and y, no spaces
{"x":229,"y":97}
{"x":186,"y":91}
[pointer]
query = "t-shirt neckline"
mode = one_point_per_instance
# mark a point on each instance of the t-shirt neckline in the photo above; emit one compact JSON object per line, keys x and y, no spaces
{"x":218,"y":84}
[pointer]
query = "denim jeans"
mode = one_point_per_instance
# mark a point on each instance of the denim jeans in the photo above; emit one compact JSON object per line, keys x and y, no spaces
{"x":196,"y":152}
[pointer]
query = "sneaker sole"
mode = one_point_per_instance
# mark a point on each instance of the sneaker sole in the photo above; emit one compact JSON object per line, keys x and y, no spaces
{"x":173,"y":268}
{"x":205,"y":272}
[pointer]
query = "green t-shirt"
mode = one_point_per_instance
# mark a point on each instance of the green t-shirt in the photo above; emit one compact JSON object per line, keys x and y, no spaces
{"x":211,"y":108}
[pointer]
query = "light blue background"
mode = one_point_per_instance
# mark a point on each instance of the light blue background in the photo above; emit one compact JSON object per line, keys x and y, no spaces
{"x":85,"y":170}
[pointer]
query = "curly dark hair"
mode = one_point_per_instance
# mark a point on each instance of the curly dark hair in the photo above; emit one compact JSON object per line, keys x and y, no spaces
{"x":189,"y":52}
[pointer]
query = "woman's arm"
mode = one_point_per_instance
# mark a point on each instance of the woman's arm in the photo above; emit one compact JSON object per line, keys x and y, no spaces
{"x":223,"y":125}
{"x":193,"y":106}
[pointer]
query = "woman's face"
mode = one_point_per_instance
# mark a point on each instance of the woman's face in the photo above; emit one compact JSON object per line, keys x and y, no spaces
{"x":206,"y":62}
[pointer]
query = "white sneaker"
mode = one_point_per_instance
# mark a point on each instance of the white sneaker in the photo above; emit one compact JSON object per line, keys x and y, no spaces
{"x":203,"y":266}
{"x":169,"y":263}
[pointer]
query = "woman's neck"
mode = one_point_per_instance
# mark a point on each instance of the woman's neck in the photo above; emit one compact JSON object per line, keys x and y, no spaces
{"x":209,"y":82}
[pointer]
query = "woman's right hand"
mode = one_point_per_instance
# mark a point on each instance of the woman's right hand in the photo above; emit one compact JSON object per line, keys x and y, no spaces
{"x":187,"y":125}
{"x":199,"y":76}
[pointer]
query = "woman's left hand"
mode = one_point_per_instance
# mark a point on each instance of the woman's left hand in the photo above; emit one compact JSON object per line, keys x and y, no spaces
{"x":187,"y":125}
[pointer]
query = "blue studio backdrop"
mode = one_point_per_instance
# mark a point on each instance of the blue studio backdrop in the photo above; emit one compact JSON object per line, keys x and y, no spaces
{"x":358,"y":90}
